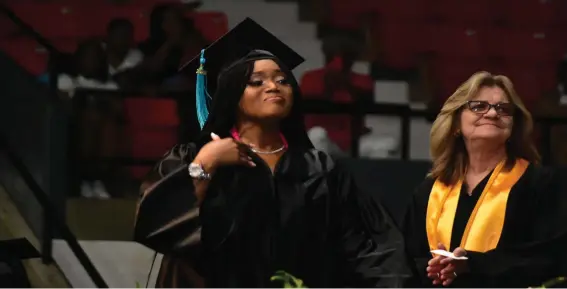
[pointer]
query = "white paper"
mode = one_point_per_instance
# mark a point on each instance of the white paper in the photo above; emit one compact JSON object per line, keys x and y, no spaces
{"x":448,"y":254}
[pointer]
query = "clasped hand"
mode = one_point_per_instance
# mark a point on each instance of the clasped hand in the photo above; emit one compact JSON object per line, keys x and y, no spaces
{"x":444,"y":270}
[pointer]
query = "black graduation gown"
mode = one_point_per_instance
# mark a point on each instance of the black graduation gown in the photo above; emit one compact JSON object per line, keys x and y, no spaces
{"x":307,"y":219}
{"x":532,"y":245}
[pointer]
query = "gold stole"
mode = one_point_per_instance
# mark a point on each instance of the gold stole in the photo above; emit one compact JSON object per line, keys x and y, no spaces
{"x":484,"y":226}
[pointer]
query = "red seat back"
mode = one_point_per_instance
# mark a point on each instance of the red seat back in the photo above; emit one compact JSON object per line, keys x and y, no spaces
{"x":27,"y":53}
{"x":212,"y":24}
{"x":151,"y":129}
{"x":151,"y":112}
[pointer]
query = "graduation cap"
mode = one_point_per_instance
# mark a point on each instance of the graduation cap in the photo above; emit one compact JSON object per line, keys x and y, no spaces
{"x":248,"y":41}
{"x":17,"y":249}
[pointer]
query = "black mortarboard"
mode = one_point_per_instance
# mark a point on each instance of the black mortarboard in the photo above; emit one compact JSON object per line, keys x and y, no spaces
{"x":245,"y":42}
{"x":17,"y":249}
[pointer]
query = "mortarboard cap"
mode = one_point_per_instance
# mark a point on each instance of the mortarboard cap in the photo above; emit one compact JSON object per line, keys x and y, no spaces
{"x":17,"y":249}
{"x":247,"y":41}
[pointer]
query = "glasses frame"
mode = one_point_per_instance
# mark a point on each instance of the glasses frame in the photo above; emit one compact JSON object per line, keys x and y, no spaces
{"x":490,"y":106}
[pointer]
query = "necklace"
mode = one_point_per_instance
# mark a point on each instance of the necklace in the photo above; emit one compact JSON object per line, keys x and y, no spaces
{"x":268,"y":152}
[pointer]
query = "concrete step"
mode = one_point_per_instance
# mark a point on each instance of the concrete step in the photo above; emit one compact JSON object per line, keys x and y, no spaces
{"x":13,"y":225}
{"x":93,"y":219}
{"x":121,"y":264}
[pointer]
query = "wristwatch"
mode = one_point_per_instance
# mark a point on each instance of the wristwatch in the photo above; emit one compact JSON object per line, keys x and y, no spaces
{"x":197,"y":171}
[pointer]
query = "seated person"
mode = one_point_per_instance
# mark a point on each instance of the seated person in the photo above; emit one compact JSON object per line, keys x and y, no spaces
{"x":337,"y":81}
{"x":120,"y":50}
{"x":173,"y":40}
{"x":97,"y":114}
{"x":89,"y":69}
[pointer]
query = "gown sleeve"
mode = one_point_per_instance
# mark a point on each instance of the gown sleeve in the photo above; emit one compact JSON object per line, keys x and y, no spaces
{"x":372,"y":245}
{"x":414,"y":231}
{"x":167,"y":218}
{"x":529,"y":263}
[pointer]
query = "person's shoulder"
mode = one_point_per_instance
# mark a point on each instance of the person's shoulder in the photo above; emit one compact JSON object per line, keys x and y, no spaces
{"x":424,"y":188}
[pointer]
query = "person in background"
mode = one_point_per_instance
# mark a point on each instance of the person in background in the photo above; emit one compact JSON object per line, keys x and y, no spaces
{"x":97,"y":115}
{"x":337,"y":82}
{"x":90,"y":70}
{"x":120,"y":50}
{"x":173,"y":40}
{"x":486,"y":200}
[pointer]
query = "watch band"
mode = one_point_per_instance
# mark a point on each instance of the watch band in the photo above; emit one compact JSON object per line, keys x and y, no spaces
{"x":197,"y":171}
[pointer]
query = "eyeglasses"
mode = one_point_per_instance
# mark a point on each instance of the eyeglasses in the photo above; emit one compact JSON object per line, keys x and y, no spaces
{"x":482,"y":107}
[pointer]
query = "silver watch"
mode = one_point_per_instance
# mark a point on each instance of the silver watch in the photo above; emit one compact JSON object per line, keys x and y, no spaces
{"x":197,"y":171}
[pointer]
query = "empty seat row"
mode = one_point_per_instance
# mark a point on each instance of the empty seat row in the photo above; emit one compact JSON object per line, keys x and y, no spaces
{"x":521,"y":14}
{"x":531,"y":81}
{"x":400,"y":45}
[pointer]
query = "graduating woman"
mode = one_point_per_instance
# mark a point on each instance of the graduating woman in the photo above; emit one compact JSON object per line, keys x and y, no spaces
{"x":486,"y":199}
{"x":267,"y":201}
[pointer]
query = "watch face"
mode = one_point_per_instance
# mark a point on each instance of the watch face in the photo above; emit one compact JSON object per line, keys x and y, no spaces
{"x":195,"y":170}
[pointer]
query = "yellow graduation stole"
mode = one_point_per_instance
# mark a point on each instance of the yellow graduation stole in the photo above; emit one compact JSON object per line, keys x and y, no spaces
{"x":484,"y":226}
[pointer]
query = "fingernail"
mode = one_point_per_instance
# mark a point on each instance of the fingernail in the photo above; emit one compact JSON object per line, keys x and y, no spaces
{"x":213,"y":134}
{"x":253,"y":164}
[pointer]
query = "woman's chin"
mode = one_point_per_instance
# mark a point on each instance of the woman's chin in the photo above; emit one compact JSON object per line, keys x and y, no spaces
{"x":489,"y":136}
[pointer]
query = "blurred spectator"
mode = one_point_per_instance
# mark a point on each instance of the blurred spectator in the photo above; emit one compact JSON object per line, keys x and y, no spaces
{"x":120,"y":49}
{"x":337,"y":82}
{"x":90,"y":69}
{"x":173,"y":40}
{"x":97,"y":115}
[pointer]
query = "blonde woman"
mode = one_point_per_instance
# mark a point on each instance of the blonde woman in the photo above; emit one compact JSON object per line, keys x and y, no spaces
{"x":485,"y":199}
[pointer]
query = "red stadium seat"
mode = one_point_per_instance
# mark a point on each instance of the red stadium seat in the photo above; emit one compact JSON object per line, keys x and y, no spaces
{"x":347,"y":14}
{"x":527,"y":84}
{"x":452,"y":40}
{"x":151,"y":112}
{"x":403,"y":10}
{"x":451,"y":72}
{"x":398,"y":42}
{"x":212,"y":24}
{"x":521,"y":45}
{"x":477,"y":13}
{"x":148,"y":144}
{"x":529,"y":14}
{"x":50,"y":19}
{"x":28,"y":53}
{"x":151,"y":129}
{"x":8,"y":28}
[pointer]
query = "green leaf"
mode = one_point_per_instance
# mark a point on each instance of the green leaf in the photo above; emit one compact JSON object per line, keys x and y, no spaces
{"x":288,"y":280}
{"x":552,"y":282}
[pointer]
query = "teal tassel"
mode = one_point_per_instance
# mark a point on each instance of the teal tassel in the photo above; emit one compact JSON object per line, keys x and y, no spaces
{"x":201,"y":90}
